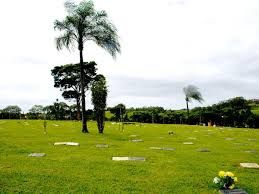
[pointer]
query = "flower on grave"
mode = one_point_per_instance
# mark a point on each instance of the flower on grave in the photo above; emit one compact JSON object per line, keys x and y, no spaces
{"x":232,"y":186}
{"x":230,"y":174}
{"x":221,"y":173}
{"x":216,"y":180}
{"x":225,"y":180}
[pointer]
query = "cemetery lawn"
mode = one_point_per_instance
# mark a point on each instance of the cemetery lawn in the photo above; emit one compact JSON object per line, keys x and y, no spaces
{"x":88,"y":169}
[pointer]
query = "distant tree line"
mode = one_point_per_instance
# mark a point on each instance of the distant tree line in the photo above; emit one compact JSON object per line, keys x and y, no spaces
{"x":235,"y":112}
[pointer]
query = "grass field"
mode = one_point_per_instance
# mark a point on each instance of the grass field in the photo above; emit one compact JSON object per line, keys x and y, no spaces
{"x":87,"y":169}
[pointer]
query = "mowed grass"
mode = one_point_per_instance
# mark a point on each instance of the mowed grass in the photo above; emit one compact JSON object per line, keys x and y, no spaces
{"x":87,"y":169}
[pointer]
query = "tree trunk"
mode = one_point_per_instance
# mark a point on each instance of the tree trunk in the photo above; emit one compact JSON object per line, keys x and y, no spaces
{"x":187,"y":112}
{"x":84,"y":126}
{"x":78,"y":108}
{"x":100,"y":120}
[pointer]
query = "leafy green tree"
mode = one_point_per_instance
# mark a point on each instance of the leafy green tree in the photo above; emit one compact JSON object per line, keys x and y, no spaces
{"x":119,"y":111}
{"x":57,"y":111}
{"x":35,"y":112}
{"x":67,"y":78}
{"x":191,"y":92}
{"x":99,"y":97}
{"x":11,"y":112}
{"x":83,"y":23}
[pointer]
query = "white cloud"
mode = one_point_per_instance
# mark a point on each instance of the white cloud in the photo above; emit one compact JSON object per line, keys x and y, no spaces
{"x":210,"y":43}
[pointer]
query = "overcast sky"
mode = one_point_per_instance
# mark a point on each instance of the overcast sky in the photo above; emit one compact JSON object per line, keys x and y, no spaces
{"x":165,"y":44}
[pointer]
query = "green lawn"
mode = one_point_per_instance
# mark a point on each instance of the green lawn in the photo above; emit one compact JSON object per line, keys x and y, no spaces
{"x":87,"y":169}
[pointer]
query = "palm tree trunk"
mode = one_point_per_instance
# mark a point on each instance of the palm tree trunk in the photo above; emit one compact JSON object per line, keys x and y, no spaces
{"x":187,"y":112}
{"x":84,"y":125}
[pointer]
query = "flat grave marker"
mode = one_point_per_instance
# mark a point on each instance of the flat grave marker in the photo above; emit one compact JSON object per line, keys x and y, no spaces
{"x":203,"y":150}
{"x":155,"y":148}
{"x":251,"y":139}
{"x":161,"y":148}
{"x":37,"y":154}
{"x":192,"y":138}
{"x":102,"y":146}
{"x":133,"y":135}
{"x":128,"y":158}
{"x":233,"y":191}
{"x":249,"y":165}
{"x":229,"y":139}
{"x":188,"y":143}
{"x":136,"y":140}
{"x":67,"y":143}
{"x":250,"y":151}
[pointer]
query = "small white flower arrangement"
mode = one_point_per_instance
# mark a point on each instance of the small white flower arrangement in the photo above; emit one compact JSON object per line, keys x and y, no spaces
{"x":226,"y":180}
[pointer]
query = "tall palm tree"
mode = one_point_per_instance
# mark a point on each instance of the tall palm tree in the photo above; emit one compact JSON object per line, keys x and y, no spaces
{"x":191,"y":92}
{"x":83,"y":23}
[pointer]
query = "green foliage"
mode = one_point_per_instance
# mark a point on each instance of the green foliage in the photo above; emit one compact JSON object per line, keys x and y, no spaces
{"x":57,"y":111}
{"x":11,"y":112}
{"x":84,"y":23}
{"x":67,"y":78}
{"x":36,"y":112}
{"x":99,"y":97}
{"x":87,"y":169}
{"x":233,"y":112}
{"x":119,"y":111}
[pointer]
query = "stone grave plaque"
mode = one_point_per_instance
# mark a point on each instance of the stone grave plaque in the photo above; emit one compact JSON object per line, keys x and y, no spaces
{"x":137,"y":140}
{"x":195,"y":131}
{"x":229,"y":139}
{"x":55,"y":125}
{"x":155,"y":148}
{"x":233,"y":191}
{"x":67,"y":143}
{"x":72,"y":144}
{"x":133,"y":135}
{"x":169,"y":149}
{"x":250,"y":151}
{"x":37,"y":154}
{"x":128,"y":158}
{"x":249,"y":165}
{"x":251,"y":139}
{"x":102,"y":146}
{"x":203,"y":150}
{"x":187,"y":143}
{"x":192,"y":138}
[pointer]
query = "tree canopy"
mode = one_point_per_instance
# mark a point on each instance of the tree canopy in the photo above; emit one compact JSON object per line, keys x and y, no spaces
{"x":67,"y":78}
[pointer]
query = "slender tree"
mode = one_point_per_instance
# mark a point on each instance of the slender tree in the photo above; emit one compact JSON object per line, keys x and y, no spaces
{"x":99,"y":97}
{"x":83,"y":23}
{"x":191,"y":92}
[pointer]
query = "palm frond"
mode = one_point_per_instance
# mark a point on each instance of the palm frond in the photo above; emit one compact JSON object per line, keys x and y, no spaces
{"x":70,"y":6}
{"x":104,"y":34}
{"x":66,"y":40}
{"x":192,"y":92}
